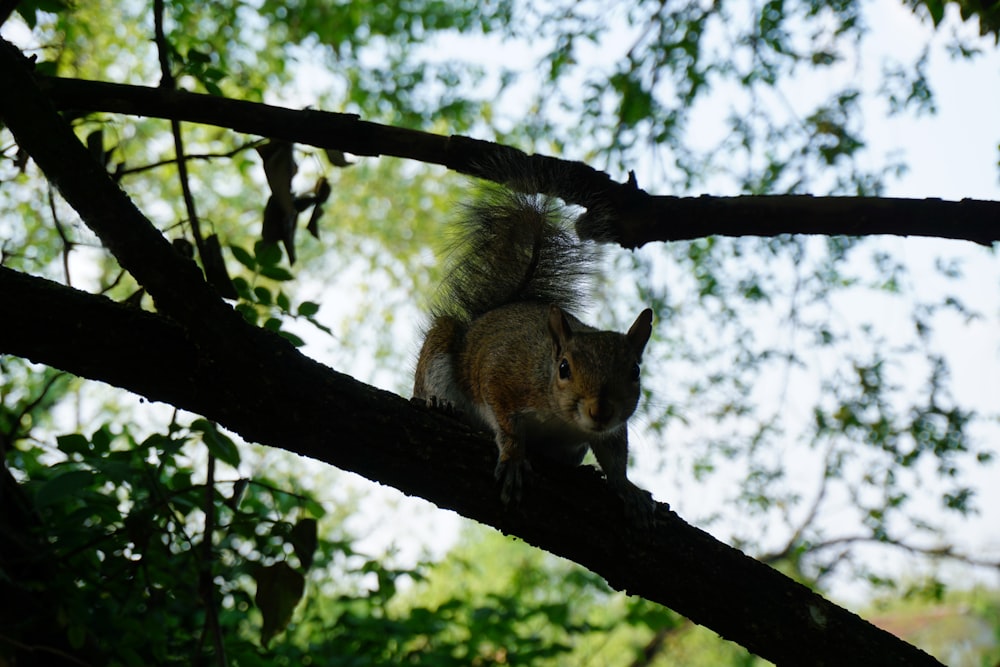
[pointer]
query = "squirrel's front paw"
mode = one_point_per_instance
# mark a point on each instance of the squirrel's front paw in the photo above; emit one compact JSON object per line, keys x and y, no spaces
{"x":441,"y":405}
{"x":511,"y":475}
{"x":639,"y":505}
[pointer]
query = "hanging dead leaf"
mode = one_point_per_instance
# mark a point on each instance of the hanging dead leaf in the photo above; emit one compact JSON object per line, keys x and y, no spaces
{"x":313,"y":224}
{"x":21,"y":160}
{"x":279,"y":590}
{"x":279,"y":225}
{"x":95,"y":144}
{"x":337,"y":158}
{"x":303,"y":539}
{"x":321,"y":193}
{"x":280,"y":214}
{"x":215,"y":268}
{"x":183,"y":246}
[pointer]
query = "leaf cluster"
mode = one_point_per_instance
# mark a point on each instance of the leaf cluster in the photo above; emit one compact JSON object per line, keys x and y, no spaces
{"x":126,"y":519}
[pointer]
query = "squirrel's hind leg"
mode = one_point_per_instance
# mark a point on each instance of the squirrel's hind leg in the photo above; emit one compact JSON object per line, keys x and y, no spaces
{"x":512,"y":462}
{"x":511,"y":475}
{"x":435,"y":381}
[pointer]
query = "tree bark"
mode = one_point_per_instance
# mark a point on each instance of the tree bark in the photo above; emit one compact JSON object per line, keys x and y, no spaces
{"x":258,"y":386}
{"x":196,"y":353}
{"x":628,"y":215}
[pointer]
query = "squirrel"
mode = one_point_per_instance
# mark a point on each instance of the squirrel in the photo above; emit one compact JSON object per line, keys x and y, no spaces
{"x":504,"y":350}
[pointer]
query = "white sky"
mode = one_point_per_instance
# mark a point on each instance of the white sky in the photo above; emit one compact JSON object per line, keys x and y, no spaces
{"x":951,"y":155}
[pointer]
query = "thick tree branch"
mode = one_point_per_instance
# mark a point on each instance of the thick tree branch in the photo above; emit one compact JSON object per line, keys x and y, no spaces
{"x":175,"y":282}
{"x":259,"y":387}
{"x":202,"y":357}
{"x":631,"y":216}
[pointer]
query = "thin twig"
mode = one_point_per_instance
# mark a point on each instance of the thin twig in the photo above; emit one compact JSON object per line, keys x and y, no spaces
{"x":640,"y":218}
{"x":194,"y":156}
{"x":167,"y":82}
{"x":207,"y":584}
{"x":38,"y":648}
{"x":15,"y":423}
{"x":945,"y":551}
{"x":66,"y":243}
{"x":182,"y":172}
{"x":796,"y":537}
{"x":654,"y":647}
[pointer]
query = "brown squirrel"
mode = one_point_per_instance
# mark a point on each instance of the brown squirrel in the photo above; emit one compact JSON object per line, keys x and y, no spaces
{"x":503,"y":349}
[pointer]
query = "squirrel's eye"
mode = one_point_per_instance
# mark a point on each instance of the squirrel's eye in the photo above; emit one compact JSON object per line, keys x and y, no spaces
{"x":564,"y":370}
{"x":634,"y":373}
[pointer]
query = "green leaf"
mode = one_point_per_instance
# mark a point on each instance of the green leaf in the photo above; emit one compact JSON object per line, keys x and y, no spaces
{"x":292,"y":338}
{"x":67,"y":484}
{"x":315,"y":508}
{"x":276,"y":272}
{"x":267,"y":252}
{"x":213,"y":74}
{"x":117,"y":470}
{"x":322,"y":327}
{"x":243,"y":257}
{"x":101,"y":439}
{"x":219,"y":444}
{"x":195,"y":56}
{"x":308,"y":308}
{"x":936,"y":9}
{"x":248,"y":311}
{"x":283,"y":302}
{"x":211,"y":87}
{"x":76,"y":635}
{"x":242,"y":287}
{"x":73,"y":443}
{"x":263,"y":295}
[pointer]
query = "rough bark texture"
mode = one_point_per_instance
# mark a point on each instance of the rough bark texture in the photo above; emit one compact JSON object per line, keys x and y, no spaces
{"x":196,"y":353}
{"x":255,"y":384}
{"x":627,"y":215}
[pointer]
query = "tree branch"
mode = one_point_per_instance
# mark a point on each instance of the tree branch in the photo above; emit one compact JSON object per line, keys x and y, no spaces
{"x":203,"y":357}
{"x":632,"y":217}
{"x":258,"y":386}
{"x":174,"y":281}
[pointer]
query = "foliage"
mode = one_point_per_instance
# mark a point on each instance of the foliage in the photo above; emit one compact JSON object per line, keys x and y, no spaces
{"x":177,"y":528}
{"x":589,"y":622}
{"x":122,"y":534}
{"x":960,"y":627}
{"x":988,"y":13}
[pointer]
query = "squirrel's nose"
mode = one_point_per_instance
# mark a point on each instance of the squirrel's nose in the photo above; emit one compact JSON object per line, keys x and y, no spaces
{"x":600,"y":411}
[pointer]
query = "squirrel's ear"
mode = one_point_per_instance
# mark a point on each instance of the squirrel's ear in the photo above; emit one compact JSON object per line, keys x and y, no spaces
{"x":638,"y":334}
{"x":559,"y":328}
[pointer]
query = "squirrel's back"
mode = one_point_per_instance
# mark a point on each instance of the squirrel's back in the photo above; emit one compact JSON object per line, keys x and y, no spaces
{"x":511,"y":247}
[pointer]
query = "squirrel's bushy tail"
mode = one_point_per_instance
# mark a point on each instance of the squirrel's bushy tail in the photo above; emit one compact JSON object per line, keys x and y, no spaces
{"x":512,"y":247}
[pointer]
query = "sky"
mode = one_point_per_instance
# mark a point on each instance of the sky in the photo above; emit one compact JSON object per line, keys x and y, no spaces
{"x":951,"y":155}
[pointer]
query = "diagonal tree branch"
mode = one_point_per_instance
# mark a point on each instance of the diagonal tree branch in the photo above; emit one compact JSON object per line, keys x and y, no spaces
{"x":201,"y":356}
{"x":258,"y":386}
{"x":174,"y":281}
{"x":627,"y":214}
